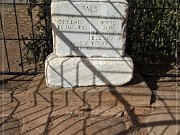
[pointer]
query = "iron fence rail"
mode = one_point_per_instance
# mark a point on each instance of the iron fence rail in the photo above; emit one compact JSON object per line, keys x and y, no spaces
{"x":19,"y":38}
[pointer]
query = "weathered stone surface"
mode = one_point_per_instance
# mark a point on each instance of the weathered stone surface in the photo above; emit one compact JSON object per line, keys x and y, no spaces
{"x":77,"y":71}
{"x":89,"y":28}
{"x":94,"y":30}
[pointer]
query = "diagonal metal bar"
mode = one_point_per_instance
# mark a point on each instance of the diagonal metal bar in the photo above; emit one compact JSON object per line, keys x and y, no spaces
{"x":18,"y":34}
{"x":5,"y":45}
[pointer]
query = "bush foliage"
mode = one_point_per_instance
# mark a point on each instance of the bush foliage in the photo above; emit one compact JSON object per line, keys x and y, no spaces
{"x":153,"y":29}
{"x":40,"y":46}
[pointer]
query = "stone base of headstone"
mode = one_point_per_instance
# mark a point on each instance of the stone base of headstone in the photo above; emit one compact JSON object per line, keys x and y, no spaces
{"x":81,"y":71}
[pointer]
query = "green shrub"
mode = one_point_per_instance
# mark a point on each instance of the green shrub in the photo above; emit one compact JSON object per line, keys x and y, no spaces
{"x":40,"y":46}
{"x":153,"y":29}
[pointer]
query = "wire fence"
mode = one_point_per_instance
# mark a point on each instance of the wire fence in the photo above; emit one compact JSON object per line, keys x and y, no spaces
{"x":23,"y":34}
{"x":152,"y":36}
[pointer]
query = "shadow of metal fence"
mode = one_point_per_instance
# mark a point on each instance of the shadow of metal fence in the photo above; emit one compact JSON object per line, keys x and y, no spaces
{"x":152,"y":36}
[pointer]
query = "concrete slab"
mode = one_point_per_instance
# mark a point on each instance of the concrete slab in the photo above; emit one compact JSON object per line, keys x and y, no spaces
{"x":164,"y":122}
{"x":76,"y":71}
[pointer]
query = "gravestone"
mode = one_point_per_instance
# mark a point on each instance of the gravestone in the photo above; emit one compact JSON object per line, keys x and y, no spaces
{"x":89,"y":40}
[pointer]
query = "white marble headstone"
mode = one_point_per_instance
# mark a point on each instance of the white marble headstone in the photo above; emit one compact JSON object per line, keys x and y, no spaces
{"x":96,"y":27}
{"x":89,"y":40}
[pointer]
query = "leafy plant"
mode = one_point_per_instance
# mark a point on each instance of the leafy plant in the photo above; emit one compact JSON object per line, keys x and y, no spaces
{"x":40,"y":46}
{"x":153,"y":29}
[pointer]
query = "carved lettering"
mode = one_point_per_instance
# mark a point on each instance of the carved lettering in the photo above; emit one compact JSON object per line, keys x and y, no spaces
{"x":99,"y":43}
{"x":96,"y":37}
{"x":107,"y":22}
{"x":68,"y":21}
{"x":109,"y":28}
{"x":81,"y":43}
{"x":90,"y":8}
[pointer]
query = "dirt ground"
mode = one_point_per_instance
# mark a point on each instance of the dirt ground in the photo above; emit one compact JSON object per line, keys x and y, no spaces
{"x":14,"y":29}
{"x":29,"y":117}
